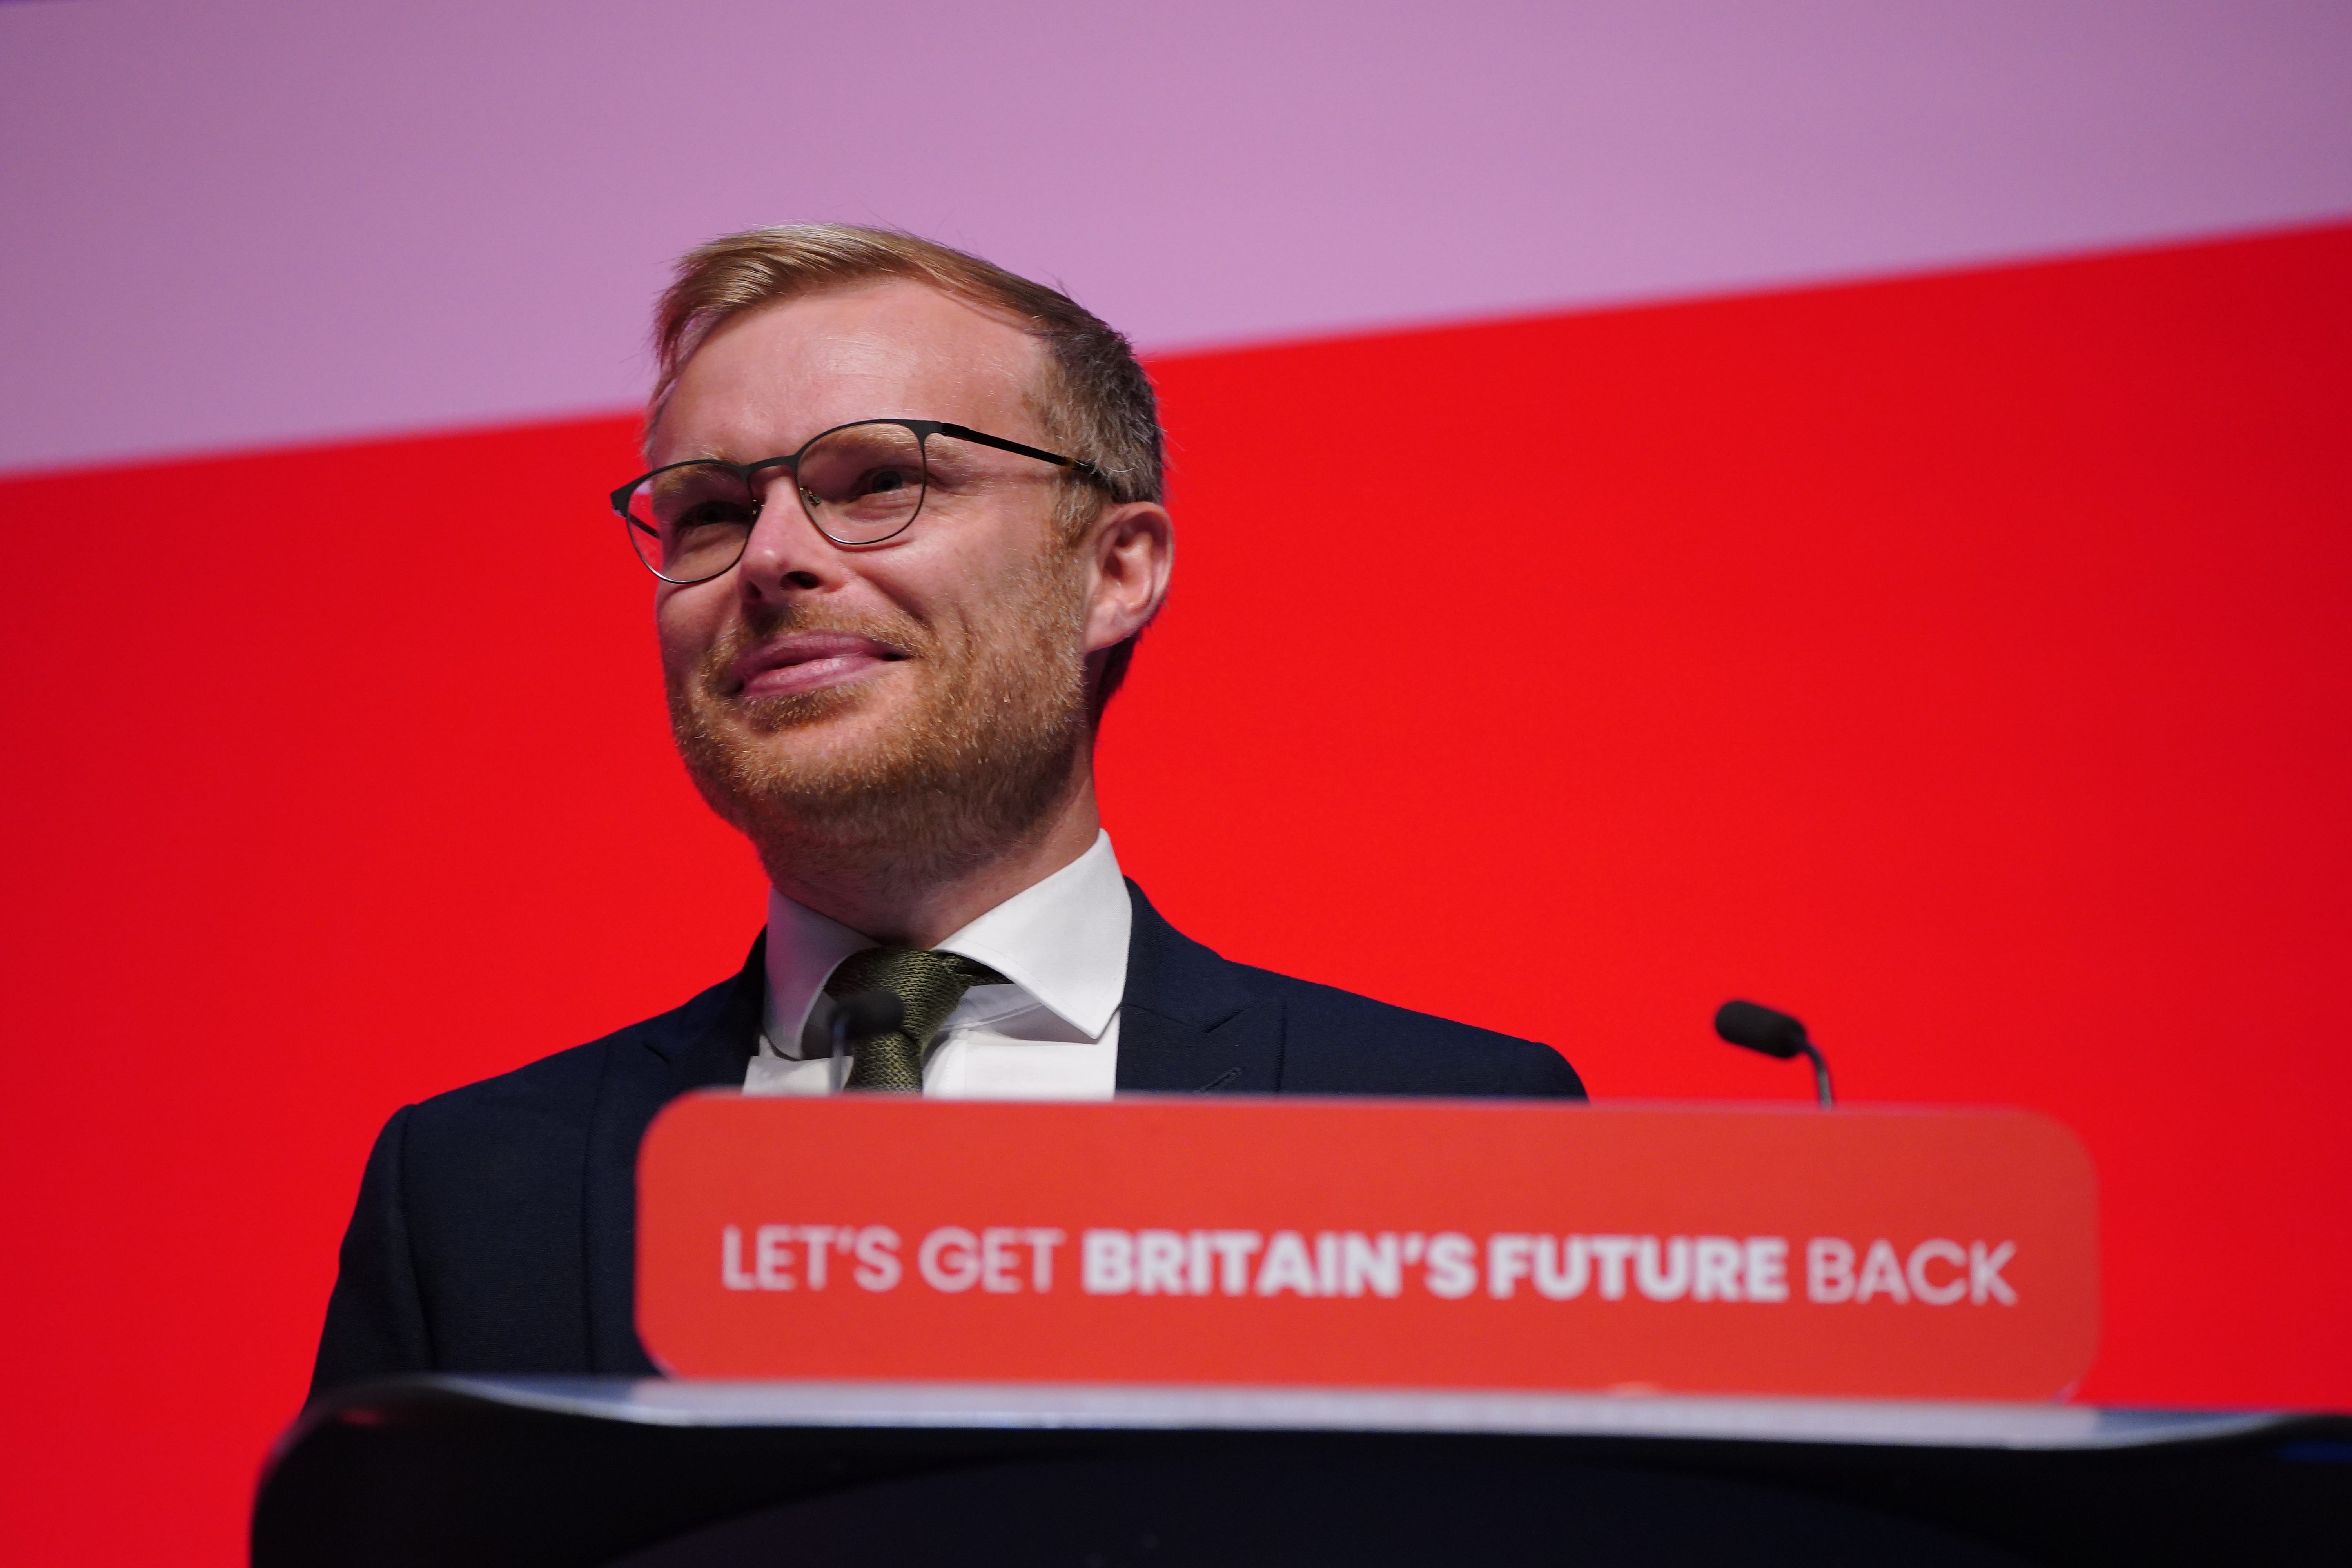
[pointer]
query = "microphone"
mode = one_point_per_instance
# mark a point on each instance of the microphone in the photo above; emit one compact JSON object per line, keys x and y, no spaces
{"x":863,"y":1015}
{"x":1775,"y":1034}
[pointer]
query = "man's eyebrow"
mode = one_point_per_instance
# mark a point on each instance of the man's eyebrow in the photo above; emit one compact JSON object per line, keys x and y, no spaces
{"x":704,"y":455}
{"x":725,"y":455}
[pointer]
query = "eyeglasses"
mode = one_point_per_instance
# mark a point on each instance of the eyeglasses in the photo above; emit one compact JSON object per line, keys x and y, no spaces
{"x":859,"y":483}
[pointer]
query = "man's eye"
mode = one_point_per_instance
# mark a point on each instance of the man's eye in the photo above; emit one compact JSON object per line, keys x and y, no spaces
{"x":882,"y":479}
{"x":712,"y":515}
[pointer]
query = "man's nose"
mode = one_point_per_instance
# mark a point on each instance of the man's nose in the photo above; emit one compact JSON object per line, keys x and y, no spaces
{"x":785,"y":554}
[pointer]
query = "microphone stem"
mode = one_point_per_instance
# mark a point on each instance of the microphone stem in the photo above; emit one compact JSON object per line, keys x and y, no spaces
{"x":1821,"y":1077}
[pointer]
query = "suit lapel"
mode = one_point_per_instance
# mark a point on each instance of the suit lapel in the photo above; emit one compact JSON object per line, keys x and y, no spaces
{"x":1188,"y":1022}
{"x":706,"y":1043}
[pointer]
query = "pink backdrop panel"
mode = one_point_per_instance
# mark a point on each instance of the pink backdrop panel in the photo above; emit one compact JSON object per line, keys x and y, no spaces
{"x":251,"y":221}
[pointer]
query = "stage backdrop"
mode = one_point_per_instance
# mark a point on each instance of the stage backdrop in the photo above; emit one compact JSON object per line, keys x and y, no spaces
{"x":1959,"y":661}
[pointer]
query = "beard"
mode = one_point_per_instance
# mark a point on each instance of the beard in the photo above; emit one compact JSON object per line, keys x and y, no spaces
{"x":978,"y":761}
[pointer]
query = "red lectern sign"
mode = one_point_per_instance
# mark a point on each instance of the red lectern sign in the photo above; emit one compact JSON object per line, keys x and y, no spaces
{"x":1369,"y":1243}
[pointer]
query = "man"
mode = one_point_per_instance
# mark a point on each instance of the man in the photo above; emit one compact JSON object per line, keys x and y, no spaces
{"x":904,"y":509}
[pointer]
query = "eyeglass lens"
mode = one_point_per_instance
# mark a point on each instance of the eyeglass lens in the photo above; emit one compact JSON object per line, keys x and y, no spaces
{"x":859,"y":485}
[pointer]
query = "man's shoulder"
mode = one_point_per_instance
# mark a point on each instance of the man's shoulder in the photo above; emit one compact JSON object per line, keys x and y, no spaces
{"x":1216,"y":1023}
{"x":492,"y":1231}
{"x":559,"y":1093}
{"x":1340,"y":1042}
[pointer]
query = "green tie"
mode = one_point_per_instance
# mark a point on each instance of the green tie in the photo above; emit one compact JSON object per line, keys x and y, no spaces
{"x":928,"y":985}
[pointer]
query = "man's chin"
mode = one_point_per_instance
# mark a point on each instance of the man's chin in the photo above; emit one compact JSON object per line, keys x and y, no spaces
{"x":816,"y":741}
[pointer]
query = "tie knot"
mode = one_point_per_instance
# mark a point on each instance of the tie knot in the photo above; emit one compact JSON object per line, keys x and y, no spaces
{"x":927,"y":984}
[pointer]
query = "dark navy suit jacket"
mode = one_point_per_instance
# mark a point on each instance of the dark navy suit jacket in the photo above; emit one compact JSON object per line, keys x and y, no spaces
{"x":495,"y":1230}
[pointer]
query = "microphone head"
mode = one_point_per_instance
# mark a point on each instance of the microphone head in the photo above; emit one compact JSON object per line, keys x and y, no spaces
{"x":866,"y":1014}
{"x":1760,"y":1030}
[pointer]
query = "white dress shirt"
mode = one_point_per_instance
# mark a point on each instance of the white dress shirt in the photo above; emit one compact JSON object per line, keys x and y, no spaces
{"x":1051,"y":1034}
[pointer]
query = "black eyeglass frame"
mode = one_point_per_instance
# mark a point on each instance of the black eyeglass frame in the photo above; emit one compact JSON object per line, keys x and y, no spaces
{"x":924,"y":429}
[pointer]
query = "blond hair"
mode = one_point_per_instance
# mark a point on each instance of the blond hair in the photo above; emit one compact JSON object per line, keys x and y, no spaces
{"x":1097,"y":403}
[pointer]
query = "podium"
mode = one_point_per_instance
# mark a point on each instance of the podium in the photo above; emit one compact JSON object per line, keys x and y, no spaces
{"x":1217,"y":1334}
{"x":548,"y":1473}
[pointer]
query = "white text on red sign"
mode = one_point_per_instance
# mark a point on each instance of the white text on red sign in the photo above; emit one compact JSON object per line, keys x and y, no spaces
{"x":1939,"y":1271}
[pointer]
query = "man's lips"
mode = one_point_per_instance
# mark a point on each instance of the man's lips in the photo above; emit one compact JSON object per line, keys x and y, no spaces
{"x":805,"y":661}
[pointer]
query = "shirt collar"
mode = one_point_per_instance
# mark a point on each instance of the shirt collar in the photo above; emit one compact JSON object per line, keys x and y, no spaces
{"x":1062,"y":941}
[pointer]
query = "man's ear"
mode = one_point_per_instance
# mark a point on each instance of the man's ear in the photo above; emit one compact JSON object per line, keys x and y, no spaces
{"x":1131,"y":549}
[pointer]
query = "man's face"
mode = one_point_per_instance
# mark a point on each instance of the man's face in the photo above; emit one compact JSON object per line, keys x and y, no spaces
{"x":927,"y":689}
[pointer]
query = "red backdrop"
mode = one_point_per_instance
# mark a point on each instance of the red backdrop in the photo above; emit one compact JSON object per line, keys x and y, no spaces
{"x":1960,"y":662}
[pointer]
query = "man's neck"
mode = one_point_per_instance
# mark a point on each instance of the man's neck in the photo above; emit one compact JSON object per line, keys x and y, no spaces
{"x":884,"y":905}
